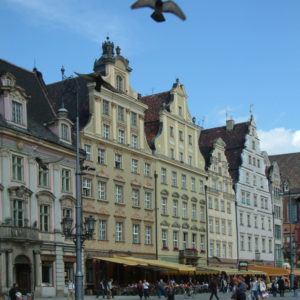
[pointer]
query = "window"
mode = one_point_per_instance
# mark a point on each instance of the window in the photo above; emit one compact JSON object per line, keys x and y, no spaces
{"x":217,"y":226}
{"x":135,"y":234}
{"x":101,"y":190}
{"x":255,"y":222}
{"x":202,"y":214}
{"x":224,"y":250}
{"x":134,"y":141}
{"x":190,"y":139}
{"x":17,"y":168}
{"x":134,"y":166}
{"x":148,"y":235}
{"x":262,"y":223}
{"x":270,"y":246}
{"x":261,"y":183}
{"x":277,"y":211}
{"x":147,"y":170}
{"x":218,"y":250}
{"x":247,"y":178}
{"x":255,"y":200}
{"x":175,"y":208}
{"x":223,"y":227}
{"x":202,"y":242}
{"x":194,"y":240}
{"x":18,"y":213}
{"x":222,"y":206}
{"x":164,"y":238}
{"x":67,"y":212}
{"x":249,"y":159}
{"x":43,"y":177}
{"x":66,"y":180}
{"x":133,"y":119}
{"x":229,"y":250}
{"x":180,"y":135}
{"x":47,"y":273}
{"x":210,"y":225}
{"x":194,"y":214}
{"x":175,"y":239}
{"x":266,"y":203}
{"x":193,"y":186}
{"x":241,"y":219}
{"x":228,"y":207}
{"x":253,"y":145}
{"x":86,"y":187}
{"x":248,"y":221}
{"x":229,"y":227}
{"x":119,"y":231}
{"x":119,"y":193}
{"x":201,"y":187}
{"x":171,"y":131}
{"x":278,"y":252}
{"x":181,"y":157}
{"x":242,"y":243}
{"x":254,"y":162}
{"x":172,"y":153}
{"x":269,"y":224}
{"x":210,"y":203}
{"x":254,"y":180}
{"x":183,"y":181}
{"x":163,"y":176}
{"x":211,"y":249}
{"x":148,"y":200}
{"x":121,"y":136}
{"x":248,"y":198}
{"x":258,"y":163}
{"x":225,"y":187}
{"x":263,"y":244}
{"x":213,"y":184}
{"x":44,"y":218}
{"x":64,"y":131}
{"x":216,"y":204}
{"x":164,"y":209}
{"x":101,"y":156}
{"x":174,"y":179}
{"x":243,"y":197}
{"x":278,"y":232}
{"x":17,"y":112}
{"x":105,"y":107}
{"x":249,"y":243}
{"x":119,"y":83}
{"x":185,"y":240}
{"x":135,"y":197}
{"x":220,"y":186}
{"x":102,"y":230}
{"x":118,"y":161}
{"x":256,"y":245}
{"x":220,"y":173}
{"x":184,"y":210}
{"x":106,"y":131}
{"x":190,"y":160}
{"x":120,"y":113}
{"x":179,"y":110}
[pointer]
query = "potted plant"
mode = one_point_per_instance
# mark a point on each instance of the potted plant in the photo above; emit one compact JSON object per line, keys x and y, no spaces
{"x":165,"y":248}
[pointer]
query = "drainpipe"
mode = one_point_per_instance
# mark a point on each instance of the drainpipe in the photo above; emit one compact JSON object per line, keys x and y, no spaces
{"x":237,"y":233}
{"x":206,"y":198}
{"x":155,"y":212}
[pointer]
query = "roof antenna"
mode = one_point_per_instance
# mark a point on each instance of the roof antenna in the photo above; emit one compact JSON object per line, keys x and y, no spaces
{"x":226,"y":114}
{"x":251,"y":105}
{"x":34,"y":64}
{"x":62,"y":70}
{"x":202,"y":121}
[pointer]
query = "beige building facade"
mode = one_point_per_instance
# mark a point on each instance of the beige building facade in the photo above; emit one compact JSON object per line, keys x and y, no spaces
{"x":181,"y":178}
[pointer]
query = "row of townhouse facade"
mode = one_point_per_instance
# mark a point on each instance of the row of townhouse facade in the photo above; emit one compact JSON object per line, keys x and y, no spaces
{"x":158,"y":185}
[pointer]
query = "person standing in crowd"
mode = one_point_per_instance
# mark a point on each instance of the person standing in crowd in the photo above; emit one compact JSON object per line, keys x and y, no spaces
{"x":71,"y":290}
{"x":253,"y":288}
{"x":213,"y":286}
{"x":146,"y":289}
{"x":281,"y":286}
{"x":109,"y":288}
{"x":161,"y":289}
{"x":101,"y":289}
{"x":140,"y":289}
{"x":223,"y":285}
{"x":295,"y":287}
{"x":241,"y":289}
{"x":170,"y":291}
{"x":274,"y":287}
{"x":234,"y":287}
{"x":13,"y":291}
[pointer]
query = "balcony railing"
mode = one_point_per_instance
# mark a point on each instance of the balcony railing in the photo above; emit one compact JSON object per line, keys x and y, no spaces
{"x":18,"y":233}
{"x":188,"y":253}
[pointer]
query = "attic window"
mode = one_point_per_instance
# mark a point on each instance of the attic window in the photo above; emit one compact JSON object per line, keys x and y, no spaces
{"x":8,"y":81}
{"x":119,"y":82}
{"x":65,"y":132}
{"x":17,"y":112}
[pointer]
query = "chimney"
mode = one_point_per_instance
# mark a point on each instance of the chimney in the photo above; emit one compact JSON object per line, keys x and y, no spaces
{"x":229,"y":125}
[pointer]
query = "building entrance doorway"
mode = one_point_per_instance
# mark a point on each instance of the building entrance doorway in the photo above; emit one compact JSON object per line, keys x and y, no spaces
{"x":23,"y":272}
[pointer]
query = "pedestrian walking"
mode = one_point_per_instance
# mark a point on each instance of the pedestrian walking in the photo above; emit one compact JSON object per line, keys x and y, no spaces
{"x":241,"y":289}
{"x":213,"y":286}
{"x":146,"y":289}
{"x":281,"y":286}
{"x":140,"y":289}
{"x":295,"y":287}
{"x":14,"y":292}
{"x":274,"y":287}
{"x":161,"y":289}
{"x":101,"y":289}
{"x":170,"y":291}
{"x":71,"y":290}
{"x":109,"y":289}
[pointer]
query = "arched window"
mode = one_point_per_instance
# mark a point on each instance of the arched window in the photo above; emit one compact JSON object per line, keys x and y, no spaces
{"x":119,"y":83}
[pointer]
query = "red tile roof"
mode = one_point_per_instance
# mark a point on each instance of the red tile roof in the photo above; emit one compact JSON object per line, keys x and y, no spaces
{"x":152,"y":120}
{"x":289,"y":166}
{"x":235,"y":143}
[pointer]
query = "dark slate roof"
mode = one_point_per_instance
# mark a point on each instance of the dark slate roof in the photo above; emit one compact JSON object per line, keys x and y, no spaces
{"x":234,"y":140}
{"x":289,"y":167}
{"x":152,"y":121}
{"x":69,"y":87}
{"x":39,"y":107}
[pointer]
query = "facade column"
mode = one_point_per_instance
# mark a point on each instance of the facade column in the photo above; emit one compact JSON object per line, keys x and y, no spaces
{"x":4,"y":156}
{"x":38,"y":272}
{"x":141,"y":132}
{"x":9,"y":268}
{"x":97,"y":115}
{"x":128,"y":126}
{"x":60,"y":271}
{"x":114,"y":121}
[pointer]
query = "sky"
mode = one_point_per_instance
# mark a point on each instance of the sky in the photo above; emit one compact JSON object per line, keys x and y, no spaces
{"x":228,"y":54}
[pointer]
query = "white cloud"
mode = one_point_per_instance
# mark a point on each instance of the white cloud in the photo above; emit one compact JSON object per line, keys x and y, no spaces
{"x":279,"y":140}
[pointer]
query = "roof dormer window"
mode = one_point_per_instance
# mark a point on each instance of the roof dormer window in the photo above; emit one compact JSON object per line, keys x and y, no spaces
{"x":65,"y":132}
{"x":8,"y":81}
{"x":17,"y":112}
{"x":119,"y":82}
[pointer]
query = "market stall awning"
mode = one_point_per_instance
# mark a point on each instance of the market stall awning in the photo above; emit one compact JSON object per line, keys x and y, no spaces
{"x":117,"y":260}
{"x":269,"y":270}
{"x":161,"y":264}
{"x":228,"y":271}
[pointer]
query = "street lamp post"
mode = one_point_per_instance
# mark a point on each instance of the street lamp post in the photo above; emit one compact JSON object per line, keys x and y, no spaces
{"x":286,"y":187}
{"x":80,"y":235}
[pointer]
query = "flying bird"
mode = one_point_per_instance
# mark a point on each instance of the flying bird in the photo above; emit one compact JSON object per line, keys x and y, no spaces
{"x":96,"y":77}
{"x":159,"y":7}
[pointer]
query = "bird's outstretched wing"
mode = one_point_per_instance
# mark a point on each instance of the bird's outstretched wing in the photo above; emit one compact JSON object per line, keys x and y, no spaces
{"x":172,"y":7}
{"x":144,"y":3}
